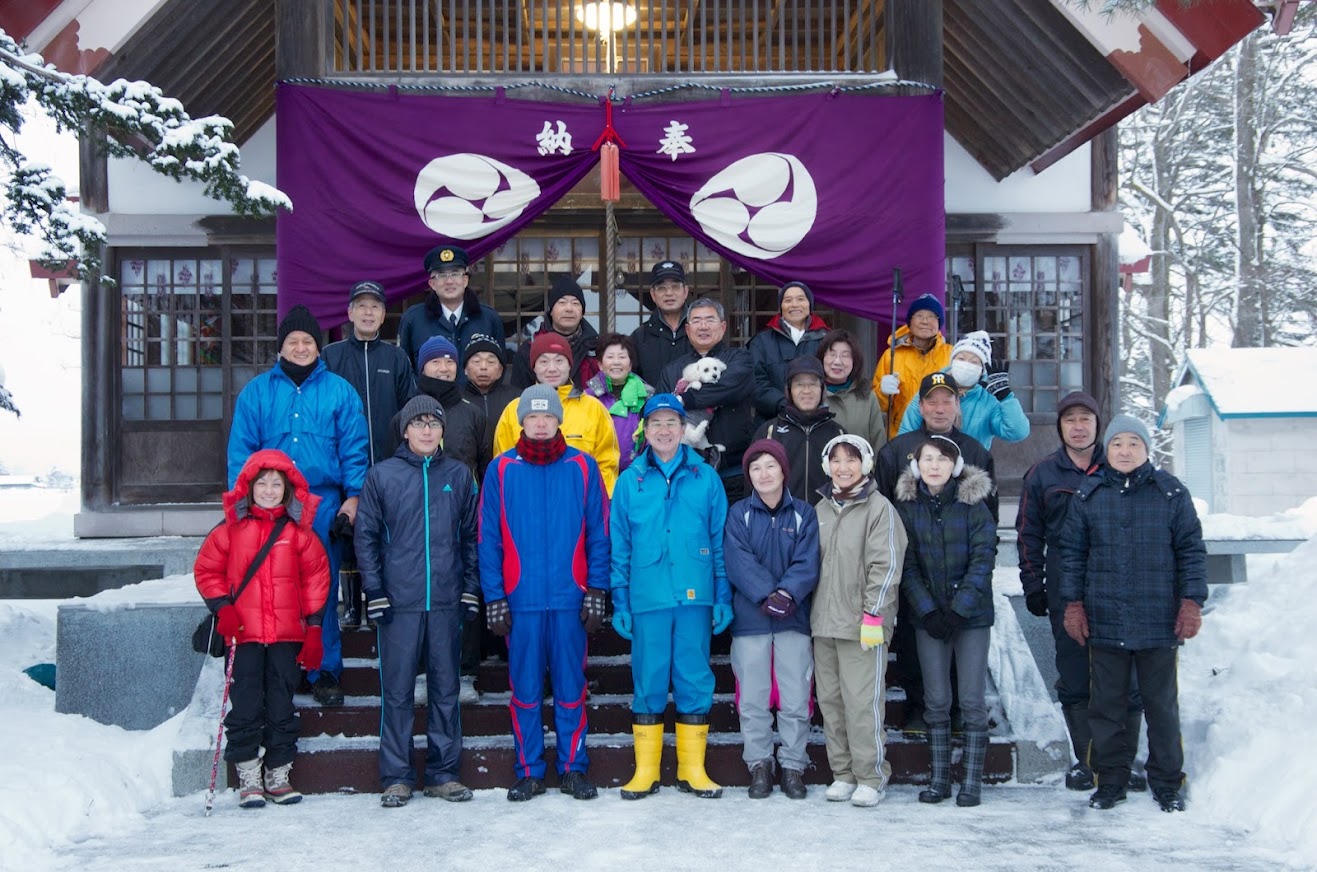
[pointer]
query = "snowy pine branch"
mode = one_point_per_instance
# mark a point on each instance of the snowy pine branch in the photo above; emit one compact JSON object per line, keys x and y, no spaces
{"x":141,"y":123}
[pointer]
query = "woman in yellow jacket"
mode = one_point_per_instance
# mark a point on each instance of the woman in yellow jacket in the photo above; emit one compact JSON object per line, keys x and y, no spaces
{"x":920,"y":349}
{"x":586,"y":425}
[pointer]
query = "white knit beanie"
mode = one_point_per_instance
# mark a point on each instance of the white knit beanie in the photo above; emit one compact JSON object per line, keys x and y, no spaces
{"x":978,"y":344}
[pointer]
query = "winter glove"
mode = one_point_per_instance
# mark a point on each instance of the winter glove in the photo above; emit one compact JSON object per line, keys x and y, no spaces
{"x":871,"y":632}
{"x":953,"y":621}
{"x":890,"y":384}
{"x":1076,"y":622}
{"x":470,"y":607}
{"x":778,"y":605}
{"x":498,"y":617}
{"x":592,"y":609}
{"x":935,"y":625}
{"x":1036,"y":603}
{"x":722,"y":617}
{"x":341,"y":529}
{"x":1189,"y":620}
{"x":622,"y":622}
{"x":227,"y":622}
{"x":313,"y":650}
{"x":998,"y":380}
{"x":378,"y":607}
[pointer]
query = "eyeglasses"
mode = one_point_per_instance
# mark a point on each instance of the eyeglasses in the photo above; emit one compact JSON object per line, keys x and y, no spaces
{"x":667,"y":286}
{"x":426,"y":424}
{"x":664,"y":425}
{"x":711,"y":320}
{"x":443,"y":274}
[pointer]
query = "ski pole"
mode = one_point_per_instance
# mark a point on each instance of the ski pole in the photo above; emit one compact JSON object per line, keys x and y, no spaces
{"x":897,"y":293}
{"x":957,"y":294}
{"x":219,"y":734}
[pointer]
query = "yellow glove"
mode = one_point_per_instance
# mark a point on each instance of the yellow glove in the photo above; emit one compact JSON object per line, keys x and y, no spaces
{"x":871,"y":632}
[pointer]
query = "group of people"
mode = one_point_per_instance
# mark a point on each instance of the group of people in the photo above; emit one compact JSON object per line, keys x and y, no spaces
{"x":835,"y":518}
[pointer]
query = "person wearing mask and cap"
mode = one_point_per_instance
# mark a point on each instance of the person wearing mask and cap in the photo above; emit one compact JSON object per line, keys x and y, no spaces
{"x":670,"y":594}
{"x":564,"y":316}
{"x":919,"y":350}
{"x":793,"y":332}
{"x":988,"y":408}
{"x":416,"y":546}
{"x":804,"y":427}
{"x":452,"y":309}
{"x":586,"y":424}
{"x":316,"y":418}
{"x":1133,"y":584}
{"x":483,"y":364}
{"x":771,"y":545}
{"x":437,"y":367}
{"x":382,"y":375}
{"x":544,"y":570}
{"x":661,"y":339}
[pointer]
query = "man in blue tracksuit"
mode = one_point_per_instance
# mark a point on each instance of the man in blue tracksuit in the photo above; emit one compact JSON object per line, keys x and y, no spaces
{"x":315,"y":417}
{"x":544,"y":572}
{"x":416,"y":546}
{"x":670,"y":590}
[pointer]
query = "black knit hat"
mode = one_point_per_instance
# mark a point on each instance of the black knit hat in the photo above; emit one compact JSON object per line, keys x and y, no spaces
{"x":482,"y":342}
{"x":299,"y":318}
{"x":563,"y":287}
{"x":809,"y":295}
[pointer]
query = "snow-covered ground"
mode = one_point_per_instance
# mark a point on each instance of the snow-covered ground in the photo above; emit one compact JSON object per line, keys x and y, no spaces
{"x":78,"y":794}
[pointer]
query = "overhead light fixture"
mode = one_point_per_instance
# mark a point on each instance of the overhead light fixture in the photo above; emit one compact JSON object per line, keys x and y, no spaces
{"x":606,"y":17}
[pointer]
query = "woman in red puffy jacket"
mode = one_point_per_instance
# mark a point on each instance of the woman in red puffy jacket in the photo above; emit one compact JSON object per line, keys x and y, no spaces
{"x":275,"y":622}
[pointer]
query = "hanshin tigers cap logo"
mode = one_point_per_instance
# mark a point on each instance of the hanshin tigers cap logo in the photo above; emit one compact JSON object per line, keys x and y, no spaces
{"x":935,"y":380}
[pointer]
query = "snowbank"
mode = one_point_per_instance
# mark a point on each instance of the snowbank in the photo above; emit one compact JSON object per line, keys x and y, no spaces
{"x":1296,"y":523}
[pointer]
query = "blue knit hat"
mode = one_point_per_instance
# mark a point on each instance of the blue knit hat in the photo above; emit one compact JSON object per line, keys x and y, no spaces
{"x":434,"y":347}
{"x":926,"y":303}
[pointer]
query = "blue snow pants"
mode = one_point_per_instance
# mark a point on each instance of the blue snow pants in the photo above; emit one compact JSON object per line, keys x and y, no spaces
{"x":554,"y":640}
{"x":329,"y":632}
{"x":433,"y":638}
{"x":670,"y":647}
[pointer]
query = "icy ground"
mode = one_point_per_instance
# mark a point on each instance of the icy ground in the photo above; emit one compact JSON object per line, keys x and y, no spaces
{"x":75,"y":794}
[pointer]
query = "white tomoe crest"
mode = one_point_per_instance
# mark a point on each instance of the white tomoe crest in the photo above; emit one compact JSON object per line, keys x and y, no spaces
{"x":467,"y":196}
{"x":760,"y":206}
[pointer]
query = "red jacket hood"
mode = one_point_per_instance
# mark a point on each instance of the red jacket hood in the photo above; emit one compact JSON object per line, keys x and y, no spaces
{"x":237,"y":502}
{"x":815,"y":323}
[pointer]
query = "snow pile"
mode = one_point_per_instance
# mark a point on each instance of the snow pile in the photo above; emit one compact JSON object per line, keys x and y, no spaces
{"x":1296,"y":523}
{"x":1249,"y":705}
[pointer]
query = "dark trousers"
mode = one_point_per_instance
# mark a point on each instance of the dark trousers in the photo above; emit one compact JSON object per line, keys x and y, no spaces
{"x":734,"y":487}
{"x":473,"y":638}
{"x":432,"y":637}
{"x":1156,"y":670}
{"x":264,"y":678}
{"x":1072,"y":661}
{"x":906,"y":648}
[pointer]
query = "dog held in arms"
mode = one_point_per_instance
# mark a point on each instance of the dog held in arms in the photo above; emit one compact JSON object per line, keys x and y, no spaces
{"x":705,"y":371}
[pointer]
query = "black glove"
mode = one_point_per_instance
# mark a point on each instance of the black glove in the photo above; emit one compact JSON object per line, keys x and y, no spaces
{"x":341,"y":529}
{"x":1036,"y":603}
{"x":998,"y":381}
{"x":778,"y":605}
{"x":378,"y":607}
{"x":935,"y":625}
{"x":470,"y":607}
{"x":953,"y":621}
{"x":592,"y":609}
{"x":498,"y":617}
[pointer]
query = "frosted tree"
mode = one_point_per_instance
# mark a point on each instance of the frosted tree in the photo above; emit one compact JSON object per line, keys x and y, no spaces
{"x":140,"y":122}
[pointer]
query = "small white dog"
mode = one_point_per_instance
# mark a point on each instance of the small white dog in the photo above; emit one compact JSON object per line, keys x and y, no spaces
{"x":705,"y":371}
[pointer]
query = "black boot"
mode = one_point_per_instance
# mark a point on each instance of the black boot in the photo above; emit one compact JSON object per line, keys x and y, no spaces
{"x":524,"y":789}
{"x":793,"y":784}
{"x":1138,"y":783}
{"x":350,"y":582}
{"x":939,"y":748}
{"x":761,"y":780}
{"x":578,"y":786}
{"x":1080,"y":776}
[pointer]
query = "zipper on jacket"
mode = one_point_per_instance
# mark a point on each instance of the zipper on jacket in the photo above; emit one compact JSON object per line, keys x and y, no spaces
{"x":425,"y":491}
{"x":370,"y":424}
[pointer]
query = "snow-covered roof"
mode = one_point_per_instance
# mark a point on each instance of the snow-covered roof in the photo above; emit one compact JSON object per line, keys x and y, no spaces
{"x":1255,"y":382}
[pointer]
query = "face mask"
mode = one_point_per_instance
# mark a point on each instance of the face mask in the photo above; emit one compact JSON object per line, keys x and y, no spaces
{"x":965,"y":374}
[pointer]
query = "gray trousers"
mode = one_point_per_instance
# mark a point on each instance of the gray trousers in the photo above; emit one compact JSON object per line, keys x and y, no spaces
{"x":969,"y":649}
{"x":853,"y":697}
{"x":760,"y":663}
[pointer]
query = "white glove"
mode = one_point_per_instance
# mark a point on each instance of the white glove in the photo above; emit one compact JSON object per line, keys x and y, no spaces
{"x":890,"y":384}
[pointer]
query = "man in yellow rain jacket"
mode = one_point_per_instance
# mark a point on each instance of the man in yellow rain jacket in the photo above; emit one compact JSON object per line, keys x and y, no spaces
{"x":920,"y":349}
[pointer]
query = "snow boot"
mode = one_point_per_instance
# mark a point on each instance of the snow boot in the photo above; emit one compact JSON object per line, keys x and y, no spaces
{"x":692,"y":741}
{"x":1107,"y":796}
{"x":976,"y":749}
{"x":251,"y":793}
{"x":277,"y":788}
{"x":526,"y":789}
{"x":1138,"y":783}
{"x":939,"y":748}
{"x":793,"y":784}
{"x":1169,"y":798}
{"x":761,"y":780}
{"x":577,"y":785}
{"x":1080,"y":776}
{"x":349,"y":580}
{"x":648,"y":736}
{"x":326,"y":690}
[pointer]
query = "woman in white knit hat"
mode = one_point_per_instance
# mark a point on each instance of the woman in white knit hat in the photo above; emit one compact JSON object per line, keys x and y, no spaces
{"x":988,"y":408}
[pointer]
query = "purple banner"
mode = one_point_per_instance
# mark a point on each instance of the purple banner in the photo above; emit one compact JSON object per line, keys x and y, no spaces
{"x":832,"y":189}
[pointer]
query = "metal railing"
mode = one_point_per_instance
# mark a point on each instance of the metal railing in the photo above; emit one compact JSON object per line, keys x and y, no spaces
{"x":468,"y":37}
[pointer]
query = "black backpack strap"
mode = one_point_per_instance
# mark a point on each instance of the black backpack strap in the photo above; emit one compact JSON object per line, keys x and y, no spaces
{"x":261,"y":555}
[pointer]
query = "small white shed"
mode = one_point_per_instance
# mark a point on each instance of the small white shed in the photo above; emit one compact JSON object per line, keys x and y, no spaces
{"x":1245,"y":428}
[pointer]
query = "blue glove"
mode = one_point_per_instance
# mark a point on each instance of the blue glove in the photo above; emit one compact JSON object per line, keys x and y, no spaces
{"x":622,"y":622}
{"x":722,"y":618}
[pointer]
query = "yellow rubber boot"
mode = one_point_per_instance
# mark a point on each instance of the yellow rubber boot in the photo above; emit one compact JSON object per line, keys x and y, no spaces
{"x":692,"y":738}
{"x":649,"y":753}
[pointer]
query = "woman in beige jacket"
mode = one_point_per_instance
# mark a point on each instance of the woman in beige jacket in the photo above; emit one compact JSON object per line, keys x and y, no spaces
{"x":862,"y":543}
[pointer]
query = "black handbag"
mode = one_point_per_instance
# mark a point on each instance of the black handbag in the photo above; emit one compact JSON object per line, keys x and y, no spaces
{"x":205,"y":638}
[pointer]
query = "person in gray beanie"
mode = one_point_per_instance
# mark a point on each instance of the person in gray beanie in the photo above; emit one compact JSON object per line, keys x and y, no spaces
{"x":539,"y":398}
{"x":419,"y":406}
{"x":1128,"y":424}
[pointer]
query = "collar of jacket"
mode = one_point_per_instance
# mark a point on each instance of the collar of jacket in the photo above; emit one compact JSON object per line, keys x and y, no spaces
{"x":1095,"y":464}
{"x":435,"y":309}
{"x":368,"y":344}
{"x":656,"y":324}
{"x":778,"y":324}
{"x":905,"y":340}
{"x":807,"y":420}
{"x":1129,"y":481}
{"x":757,"y":503}
{"x":646,"y":460}
{"x":316,"y":371}
{"x":418,"y":460}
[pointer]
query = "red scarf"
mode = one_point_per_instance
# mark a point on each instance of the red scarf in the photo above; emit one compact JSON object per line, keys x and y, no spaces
{"x":541,"y":451}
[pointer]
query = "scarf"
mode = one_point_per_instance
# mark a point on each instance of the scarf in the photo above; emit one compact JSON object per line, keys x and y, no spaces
{"x":836,"y":389}
{"x":845,"y":496}
{"x":541,"y":452}
{"x":631,"y":398}
{"x":806,"y":419}
{"x":446,"y":392}
{"x":296,"y":372}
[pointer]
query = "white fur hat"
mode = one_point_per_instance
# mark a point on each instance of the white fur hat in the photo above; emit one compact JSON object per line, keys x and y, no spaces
{"x":977,"y":343}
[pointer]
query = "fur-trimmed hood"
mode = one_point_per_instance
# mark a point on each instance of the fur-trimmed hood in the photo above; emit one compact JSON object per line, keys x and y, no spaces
{"x":973,"y":486}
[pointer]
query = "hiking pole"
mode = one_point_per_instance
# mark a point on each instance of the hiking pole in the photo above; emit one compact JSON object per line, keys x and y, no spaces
{"x":957,"y":294}
{"x":897,"y":293}
{"x":219,"y":734}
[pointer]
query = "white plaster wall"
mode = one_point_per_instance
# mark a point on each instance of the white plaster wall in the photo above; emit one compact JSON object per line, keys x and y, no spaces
{"x":135,"y":189}
{"x":1062,"y":187}
{"x":1270,"y":464}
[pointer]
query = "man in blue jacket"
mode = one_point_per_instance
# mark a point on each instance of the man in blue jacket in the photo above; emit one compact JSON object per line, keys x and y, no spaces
{"x":315,"y":417}
{"x":416,"y":546}
{"x":382,"y":375}
{"x":544,"y":572}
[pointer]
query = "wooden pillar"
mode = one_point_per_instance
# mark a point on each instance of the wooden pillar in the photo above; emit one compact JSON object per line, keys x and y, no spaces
{"x":914,"y":39}
{"x":100,"y":391}
{"x":301,"y":38}
{"x":1103,"y":319}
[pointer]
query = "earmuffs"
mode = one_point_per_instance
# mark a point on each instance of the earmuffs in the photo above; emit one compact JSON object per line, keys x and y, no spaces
{"x":955,"y":470}
{"x":861,"y":445}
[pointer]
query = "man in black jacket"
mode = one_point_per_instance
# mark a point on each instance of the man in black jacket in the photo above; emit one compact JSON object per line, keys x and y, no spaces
{"x":416,"y":546}
{"x":732,"y":425}
{"x":483,"y":364}
{"x":382,"y":375}
{"x":661,"y":339}
{"x":564,"y":314}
